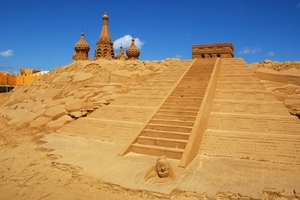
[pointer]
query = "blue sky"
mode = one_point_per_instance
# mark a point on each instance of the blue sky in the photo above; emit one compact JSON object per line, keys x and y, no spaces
{"x":41,"y":34}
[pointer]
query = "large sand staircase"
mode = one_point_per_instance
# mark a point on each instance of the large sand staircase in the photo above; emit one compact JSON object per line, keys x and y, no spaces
{"x":169,"y":130}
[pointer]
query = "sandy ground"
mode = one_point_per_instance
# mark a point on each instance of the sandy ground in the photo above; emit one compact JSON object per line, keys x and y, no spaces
{"x":29,"y":171}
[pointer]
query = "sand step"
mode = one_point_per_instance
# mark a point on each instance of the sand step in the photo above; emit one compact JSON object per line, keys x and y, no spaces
{"x":175,"y":153}
{"x":175,"y":122}
{"x":165,"y":127}
{"x":166,"y":134}
{"x":182,"y":104}
{"x":183,"y":101}
{"x":163,"y":142}
{"x":190,"y":109}
{"x":182,"y":97}
{"x":191,"y":84}
{"x":186,"y":94}
{"x":174,"y":117}
{"x":186,"y":112}
{"x":189,"y":90}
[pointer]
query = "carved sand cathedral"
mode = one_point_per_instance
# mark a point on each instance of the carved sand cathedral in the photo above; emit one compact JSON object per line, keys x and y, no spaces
{"x":209,"y":123}
{"x":104,"y":47}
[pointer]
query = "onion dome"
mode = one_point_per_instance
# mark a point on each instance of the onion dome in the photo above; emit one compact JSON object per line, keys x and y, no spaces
{"x":82,"y":44}
{"x":133,"y":52}
{"x":81,"y":49}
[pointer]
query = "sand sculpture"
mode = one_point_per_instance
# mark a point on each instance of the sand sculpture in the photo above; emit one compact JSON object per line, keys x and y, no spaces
{"x":26,"y":76}
{"x":82,"y":49}
{"x":162,"y":172}
{"x":121,"y":55}
{"x":104,"y":47}
{"x":217,"y":123}
{"x":222,"y":50}
{"x":133,"y":52}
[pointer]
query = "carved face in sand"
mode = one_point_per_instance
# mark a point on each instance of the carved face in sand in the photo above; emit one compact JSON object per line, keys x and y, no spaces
{"x":162,"y":168}
{"x":161,"y":172}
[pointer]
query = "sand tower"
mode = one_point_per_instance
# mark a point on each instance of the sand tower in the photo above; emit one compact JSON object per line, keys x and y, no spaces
{"x":133,"y":52}
{"x":104,"y":46}
{"x":82,"y":49}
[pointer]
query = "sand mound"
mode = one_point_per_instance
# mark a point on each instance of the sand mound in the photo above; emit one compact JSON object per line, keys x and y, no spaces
{"x":74,"y":91}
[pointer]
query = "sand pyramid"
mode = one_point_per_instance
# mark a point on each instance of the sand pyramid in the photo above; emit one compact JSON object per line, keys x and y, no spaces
{"x":223,"y":133}
{"x":216,"y":105}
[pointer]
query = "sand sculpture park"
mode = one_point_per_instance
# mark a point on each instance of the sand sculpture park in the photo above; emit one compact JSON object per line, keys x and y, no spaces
{"x":116,"y":127}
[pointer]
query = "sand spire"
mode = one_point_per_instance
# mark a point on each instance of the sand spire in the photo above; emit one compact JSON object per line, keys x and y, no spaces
{"x":104,"y":46}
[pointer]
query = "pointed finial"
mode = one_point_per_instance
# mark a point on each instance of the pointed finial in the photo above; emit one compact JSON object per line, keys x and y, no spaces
{"x":105,"y":15}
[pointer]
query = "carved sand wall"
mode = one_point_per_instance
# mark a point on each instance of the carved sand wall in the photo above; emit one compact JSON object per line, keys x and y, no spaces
{"x":17,"y":80}
{"x":283,"y":79}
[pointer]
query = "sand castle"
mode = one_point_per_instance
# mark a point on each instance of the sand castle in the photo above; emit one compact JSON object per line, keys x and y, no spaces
{"x":221,"y":129}
{"x":26,"y":76}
